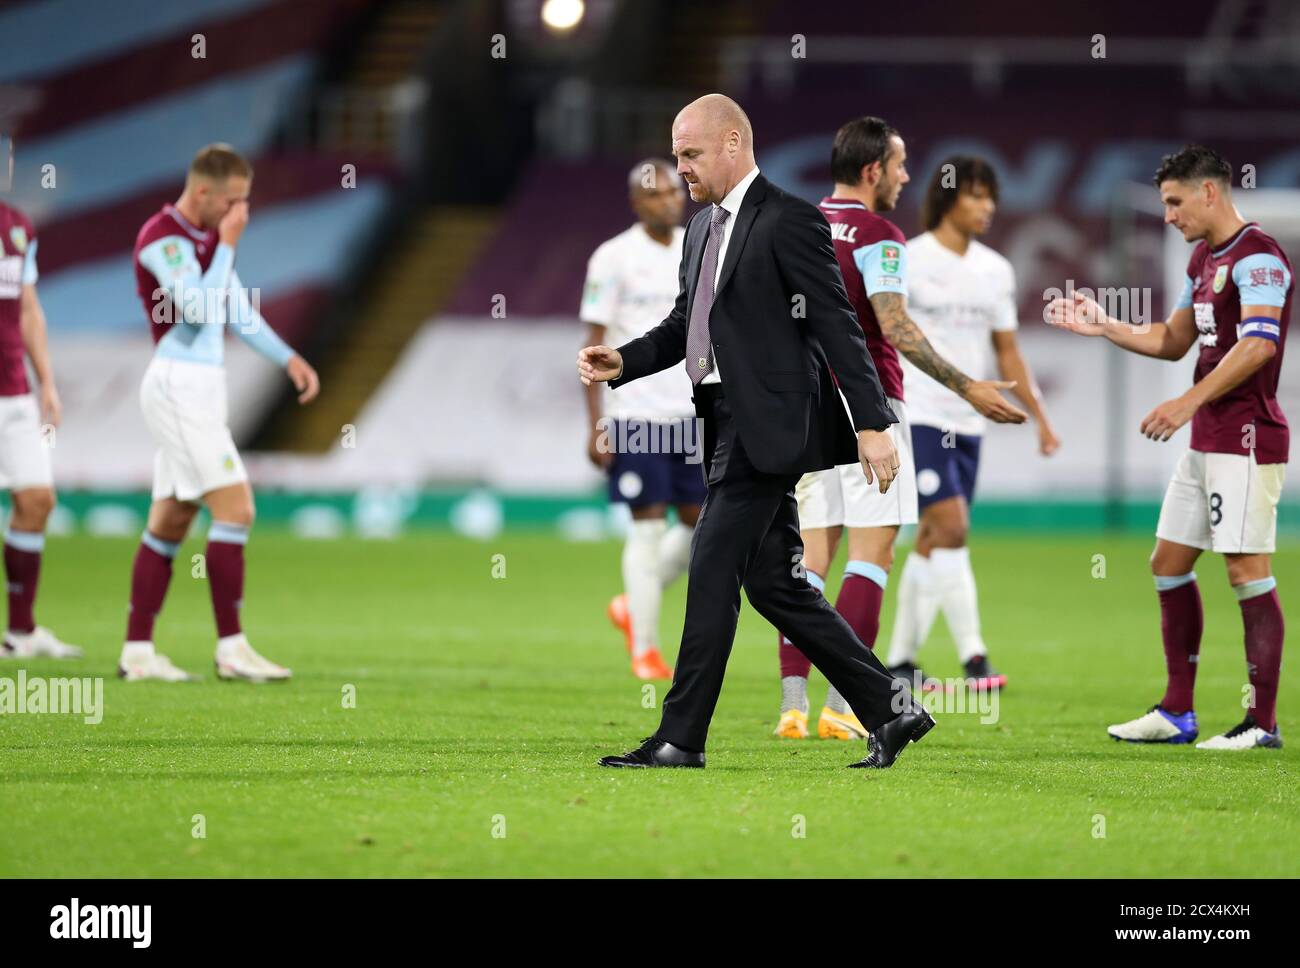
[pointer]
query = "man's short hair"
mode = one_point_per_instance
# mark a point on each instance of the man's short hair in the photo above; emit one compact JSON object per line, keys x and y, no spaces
{"x":955,"y":174}
{"x":1194,"y":163}
{"x":857,"y":144}
{"x":220,"y":161}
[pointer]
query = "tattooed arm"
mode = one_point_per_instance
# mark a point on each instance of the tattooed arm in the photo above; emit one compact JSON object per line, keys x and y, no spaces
{"x":906,"y":337}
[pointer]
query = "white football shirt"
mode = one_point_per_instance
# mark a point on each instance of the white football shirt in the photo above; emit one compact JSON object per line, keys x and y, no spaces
{"x":631,"y":287}
{"x":959,"y":301}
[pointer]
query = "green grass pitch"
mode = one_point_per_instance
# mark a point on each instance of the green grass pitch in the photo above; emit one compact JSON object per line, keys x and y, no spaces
{"x":482,"y":704}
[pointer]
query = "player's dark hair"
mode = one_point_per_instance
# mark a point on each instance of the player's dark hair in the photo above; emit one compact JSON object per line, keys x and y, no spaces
{"x":857,"y":144}
{"x":955,"y":174}
{"x":220,"y":161}
{"x":1194,"y":163}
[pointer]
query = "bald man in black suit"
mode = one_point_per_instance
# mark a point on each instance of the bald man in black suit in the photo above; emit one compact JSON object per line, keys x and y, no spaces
{"x":761,"y":320}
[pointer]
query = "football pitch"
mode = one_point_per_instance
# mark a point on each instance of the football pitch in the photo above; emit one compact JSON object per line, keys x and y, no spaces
{"x":448,"y":708}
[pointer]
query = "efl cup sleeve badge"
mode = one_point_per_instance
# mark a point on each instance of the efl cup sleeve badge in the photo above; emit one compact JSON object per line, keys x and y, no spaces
{"x":18,"y":236}
{"x":172,"y":253}
{"x":889,"y":256}
{"x":1220,"y":278}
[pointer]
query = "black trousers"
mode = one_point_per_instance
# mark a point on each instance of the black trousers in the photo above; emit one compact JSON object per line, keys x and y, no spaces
{"x":748,"y":536}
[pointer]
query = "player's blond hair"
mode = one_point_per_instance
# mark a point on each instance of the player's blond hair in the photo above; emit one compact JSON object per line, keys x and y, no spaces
{"x":219,"y":161}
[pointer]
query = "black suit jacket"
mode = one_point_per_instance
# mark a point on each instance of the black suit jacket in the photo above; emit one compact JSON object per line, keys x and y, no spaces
{"x":780,"y":321}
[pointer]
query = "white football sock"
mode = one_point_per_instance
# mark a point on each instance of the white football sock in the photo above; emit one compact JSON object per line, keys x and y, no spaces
{"x":794,"y":694}
{"x":641,"y":581}
{"x":955,"y":585}
{"x":674,"y":553}
{"x":917,"y":607}
{"x":136,"y":652}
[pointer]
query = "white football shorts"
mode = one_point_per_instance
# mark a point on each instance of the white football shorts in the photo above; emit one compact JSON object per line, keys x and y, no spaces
{"x":842,"y":496}
{"x":184,"y":406}
{"x":1224,"y":503}
{"x":24,"y":450}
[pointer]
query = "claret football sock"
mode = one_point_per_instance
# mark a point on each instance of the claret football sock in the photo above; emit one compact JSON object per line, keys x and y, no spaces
{"x":1261,"y":616}
{"x":860,"y":597}
{"x":225,"y":555}
{"x":1181,"y":622}
{"x":150,"y":576}
{"x":23,"y":570}
{"x":795,"y":666}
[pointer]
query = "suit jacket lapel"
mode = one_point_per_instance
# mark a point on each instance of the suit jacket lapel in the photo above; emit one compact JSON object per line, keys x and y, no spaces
{"x":744,"y":220}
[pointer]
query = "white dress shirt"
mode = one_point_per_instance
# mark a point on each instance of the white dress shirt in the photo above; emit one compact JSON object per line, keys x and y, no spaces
{"x":732,"y":204}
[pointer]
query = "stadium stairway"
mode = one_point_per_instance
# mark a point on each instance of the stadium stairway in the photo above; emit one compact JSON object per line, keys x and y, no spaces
{"x":691,"y":54}
{"x":389,"y":57}
{"x":411,"y":288}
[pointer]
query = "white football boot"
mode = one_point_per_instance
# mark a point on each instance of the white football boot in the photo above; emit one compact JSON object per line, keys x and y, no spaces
{"x":40,"y":643}
{"x":236,"y":659}
{"x":1157,"y":726}
{"x":139,"y":661}
{"x":1244,"y":736}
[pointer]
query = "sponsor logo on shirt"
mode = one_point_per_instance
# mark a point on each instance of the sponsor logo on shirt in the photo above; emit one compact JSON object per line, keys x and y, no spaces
{"x":1267,"y":276}
{"x":1220,"y":278}
{"x":11,"y":276}
{"x":1205,"y":324}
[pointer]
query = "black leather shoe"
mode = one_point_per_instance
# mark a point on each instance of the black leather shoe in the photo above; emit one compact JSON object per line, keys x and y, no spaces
{"x":655,"y":752}
{"x":886,"y":742}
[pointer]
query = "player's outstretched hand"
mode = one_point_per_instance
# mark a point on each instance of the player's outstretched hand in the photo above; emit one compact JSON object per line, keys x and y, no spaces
{"x":879,"y":457}
{"x":599,"y":364}
{"x":986,"y":397}
{"x":1077,"y":313}
{"x":51,"y":405}
{"x":304,"y":378}
{"x":1163,"y":422}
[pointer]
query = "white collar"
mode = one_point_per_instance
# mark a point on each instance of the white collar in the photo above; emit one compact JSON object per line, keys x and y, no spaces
{"x":734,"y":197}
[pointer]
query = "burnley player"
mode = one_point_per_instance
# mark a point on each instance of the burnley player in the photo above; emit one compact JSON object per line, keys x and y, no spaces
{"x":632,"y":283}
{"x":868,"y":163}
{"x":1223,"y":496}
{"x":964,"y":296}
{"x":184,"y":264}
{"x":24,"y":453}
